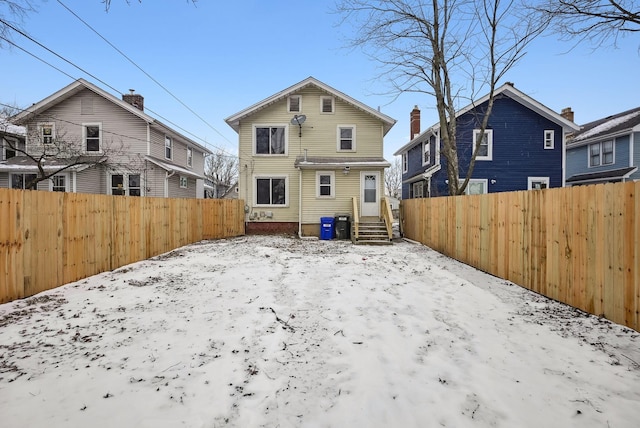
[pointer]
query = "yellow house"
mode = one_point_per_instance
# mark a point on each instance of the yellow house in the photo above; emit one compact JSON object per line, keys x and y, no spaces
{"x":311,"y":152}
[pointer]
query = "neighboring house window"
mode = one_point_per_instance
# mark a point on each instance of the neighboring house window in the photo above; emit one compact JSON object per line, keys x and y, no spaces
{"x":189,"y":156}
{"x":59,"y":183}
{"x":417,"y":190}
{"x":48,"y":133}
{"x":485,"y":151}
{"x":9,"y":148}
{"x":168,"y":146}
{"x":184,"y":181}
{"x":601,"y":153}
{"x":426,"y":153}
{"x":346,"y":138}
{"x":271,"y":190}
{"x":537,"y":183}
{"x":295,"y":104}
{"x":270,"y":140}
{"x":549,"y":139}
{"x":326,"y":104}
{"x":122,"y":184}
{"x":476,"y":187}
{"x":325,"y":184}
{"x":21,"y":181}
{"x":405,"y":163}
{"x":92,"y":133}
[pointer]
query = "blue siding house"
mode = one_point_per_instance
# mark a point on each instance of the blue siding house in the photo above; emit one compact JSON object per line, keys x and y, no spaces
{"x":605,"y":151}
{"x":524,"y":148}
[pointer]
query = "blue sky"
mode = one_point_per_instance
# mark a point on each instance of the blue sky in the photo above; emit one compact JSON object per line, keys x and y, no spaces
{"x":220,"y":57}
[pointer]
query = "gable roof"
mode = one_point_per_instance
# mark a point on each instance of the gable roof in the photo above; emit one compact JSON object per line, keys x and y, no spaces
{"x":509,"y":90}
{"x":234,"y":120}
{"x":80,"y":85}
{"x":625,"y":122}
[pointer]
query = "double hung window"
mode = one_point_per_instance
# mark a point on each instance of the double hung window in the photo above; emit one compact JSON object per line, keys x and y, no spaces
{"x":270,"y":140}
{"x":271,"y":190}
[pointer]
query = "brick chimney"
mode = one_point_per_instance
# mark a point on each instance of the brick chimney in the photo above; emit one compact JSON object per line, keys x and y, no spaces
{"x":567,"y":113}
{"x":134,"y":99}
{"x":414,"y":122}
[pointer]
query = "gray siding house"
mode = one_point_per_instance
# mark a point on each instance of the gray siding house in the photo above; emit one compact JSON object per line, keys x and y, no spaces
{"x":98,"y":143}
{"x":606,"y":150}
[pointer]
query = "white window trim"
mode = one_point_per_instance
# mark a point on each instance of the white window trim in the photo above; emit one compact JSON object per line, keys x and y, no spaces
{"x":84,"y":137}
{"x":353,"y":138}
{"x":53,"y":131}
{"x":405,"y":163}
{"x":421,"y":184}
{"x":286,"y":190}
{"x":426,"y":144}
{"x":184,"y":182}
{"x":270,"y":125}
{"x":332,"y":194}
{"x":299,"y":97}
{"x":333,"y":104}
{"x":530,"y":181}
{"x":171,"y":146}
{"x":66,"y":181}
{"x":189,"y":157}
{"x":489,"y":133}
{"x":601,"y":154}
{"x":550,"y":133}
{"x":477,"y":180}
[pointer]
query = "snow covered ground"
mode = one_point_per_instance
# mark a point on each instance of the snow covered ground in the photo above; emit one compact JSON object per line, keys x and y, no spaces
{"x":265,"y":331}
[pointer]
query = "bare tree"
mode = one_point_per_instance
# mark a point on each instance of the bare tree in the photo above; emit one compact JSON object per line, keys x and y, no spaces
{"x":52,"y":153}
{"x":449,"y":49}
{"x":393,"y":178}
{"x":13,"y":13}
{"x":597,"y":21}
{"x":222,"y":169}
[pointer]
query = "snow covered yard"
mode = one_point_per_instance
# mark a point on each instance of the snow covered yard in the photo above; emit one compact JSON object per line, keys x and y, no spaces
{"x":265,"y":331}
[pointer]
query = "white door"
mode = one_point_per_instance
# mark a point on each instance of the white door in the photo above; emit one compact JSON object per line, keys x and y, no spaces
{"x":369,"y":197}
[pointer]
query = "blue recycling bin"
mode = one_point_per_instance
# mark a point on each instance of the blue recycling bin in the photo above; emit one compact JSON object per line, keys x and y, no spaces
{"x":326,"y":227}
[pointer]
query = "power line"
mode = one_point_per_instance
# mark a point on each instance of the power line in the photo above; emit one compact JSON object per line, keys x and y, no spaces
{"x":143,"y":71}
{"x":96,"y":78}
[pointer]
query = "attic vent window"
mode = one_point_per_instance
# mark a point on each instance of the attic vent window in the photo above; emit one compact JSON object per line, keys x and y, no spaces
{"x":295,"y":104}
{"x":326,"y":104}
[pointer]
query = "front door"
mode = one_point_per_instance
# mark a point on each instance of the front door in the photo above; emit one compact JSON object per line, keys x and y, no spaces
{"x":369,"y":197}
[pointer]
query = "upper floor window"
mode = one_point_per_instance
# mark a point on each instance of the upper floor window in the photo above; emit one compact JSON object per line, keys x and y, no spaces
{"x":47,"y":133}
{"x":405,"y":163}
{"x":295,"y":104}
{"x":549,"y":139}
{"x":426,"y":153}
{"x":189,"y":156}
{"x":326,"y":105}
{"x":325,"y":184}
{"x":270,"y":140}
{"x":92,"y":137}
{"x":11,"y":147}
{"x":601,"y":153}
{"x":168,"y":147}
{"x":485,"y":151}
{"x":347,"y":138}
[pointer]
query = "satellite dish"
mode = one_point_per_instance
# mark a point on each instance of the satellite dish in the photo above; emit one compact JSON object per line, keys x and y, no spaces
{"x":298,"y":119}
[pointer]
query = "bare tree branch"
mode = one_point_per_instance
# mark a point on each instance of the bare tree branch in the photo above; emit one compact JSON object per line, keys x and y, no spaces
{"x":449,"y":49}
{"x":222,"y":169}
{"x":598,"y":22}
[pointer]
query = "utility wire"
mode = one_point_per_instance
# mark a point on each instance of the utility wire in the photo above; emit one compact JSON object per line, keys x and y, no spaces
{"x":143,"y":71}
{"x":89,"y":74}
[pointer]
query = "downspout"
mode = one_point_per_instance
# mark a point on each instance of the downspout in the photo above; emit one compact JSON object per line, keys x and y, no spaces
{"x":300,"y":196}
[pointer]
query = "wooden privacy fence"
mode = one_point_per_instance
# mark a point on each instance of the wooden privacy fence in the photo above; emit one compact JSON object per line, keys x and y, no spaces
{"x":48,"y":239}
{"x":578,"y":245}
